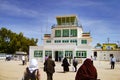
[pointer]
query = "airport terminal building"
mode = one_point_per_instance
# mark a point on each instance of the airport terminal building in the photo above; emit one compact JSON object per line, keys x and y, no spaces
{"x":67,"y":39}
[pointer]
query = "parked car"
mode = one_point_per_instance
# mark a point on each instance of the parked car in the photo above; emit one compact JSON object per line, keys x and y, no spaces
{"x":8,"y":58}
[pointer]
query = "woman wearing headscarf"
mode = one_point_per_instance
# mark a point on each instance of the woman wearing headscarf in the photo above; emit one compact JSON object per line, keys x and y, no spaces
{"x":32,"y":72}
{"x":65,"y":65}
{"x":87,"y":71}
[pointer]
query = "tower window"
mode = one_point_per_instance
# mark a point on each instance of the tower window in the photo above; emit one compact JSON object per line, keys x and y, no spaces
{"x":57,"y":33}
{"x":83,"y":41}
{"x":65,"y":32}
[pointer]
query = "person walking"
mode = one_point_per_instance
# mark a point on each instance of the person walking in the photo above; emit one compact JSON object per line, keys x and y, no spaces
{"x":32,"y":72}
{"x":92,"y":59}
{"x":49,"y":65}
{"x":87,"y":71}
{"x":75,"y":63}
{"x":113,"y":60}
{"x":65,"y":65}
{"x":46,"y":57}
{"x":23,"y":60}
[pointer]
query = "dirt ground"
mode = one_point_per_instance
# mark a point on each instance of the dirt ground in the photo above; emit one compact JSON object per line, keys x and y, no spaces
{"x":13,"y":70}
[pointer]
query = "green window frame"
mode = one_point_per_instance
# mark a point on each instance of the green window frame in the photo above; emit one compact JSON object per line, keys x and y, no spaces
{"x":81,"y":54}
{"x":60,"y":54}
{"x":57,"y":41}
{"x":73,"y":32}
{"x":73,"y":41}
{"x":38,"y":53}
{"x":48,"y":41}
{"x":65,"y":41}
{"x":68,"y":54}
{"x":83,"y":41}
{"x":48,"y":53}
{"x":65,"y":32}
{"x":57,"y":33}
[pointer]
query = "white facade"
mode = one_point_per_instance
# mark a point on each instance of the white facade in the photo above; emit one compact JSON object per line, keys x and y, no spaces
{"x":104,"y":55}
{"x":66,"y":40}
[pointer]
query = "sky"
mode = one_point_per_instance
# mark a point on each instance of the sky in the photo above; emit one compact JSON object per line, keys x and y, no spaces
{"x":34,"y":18}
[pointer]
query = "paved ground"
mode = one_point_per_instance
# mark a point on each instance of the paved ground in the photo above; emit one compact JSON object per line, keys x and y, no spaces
{"x":13,"y":70}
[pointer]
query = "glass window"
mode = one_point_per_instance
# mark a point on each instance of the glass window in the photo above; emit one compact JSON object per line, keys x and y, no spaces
{"x":65,"y":41}
{"x":48,"y":41}
{"x":83,"y":41}
{"x":73,"y":41}
{"x":48,"y":53}
{"x":81,"y":54}
{"x":57,"y":33}
{"x":68,"y":54}
{"x":65,"y":32}
{"x":73,"y":32}
{"x":57,"y":41}
{"x":38,"y":53}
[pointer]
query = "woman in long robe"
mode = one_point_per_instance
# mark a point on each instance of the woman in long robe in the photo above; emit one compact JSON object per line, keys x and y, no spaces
{"x":65,"y":65}
{"x":87,"y":71}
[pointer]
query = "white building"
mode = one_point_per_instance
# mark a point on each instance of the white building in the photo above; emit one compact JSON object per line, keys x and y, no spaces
{"x":107,"y":50}
{"x":67,"y":39}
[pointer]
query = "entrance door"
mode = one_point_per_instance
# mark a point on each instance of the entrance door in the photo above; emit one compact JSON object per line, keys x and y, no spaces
{"x":56,"y":55}
{"x":95,"y":55}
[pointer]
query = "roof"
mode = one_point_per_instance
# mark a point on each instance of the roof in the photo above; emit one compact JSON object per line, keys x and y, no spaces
{"x":20,"y":52}
{"x":109,"y":44}
{"x":67,"y":20}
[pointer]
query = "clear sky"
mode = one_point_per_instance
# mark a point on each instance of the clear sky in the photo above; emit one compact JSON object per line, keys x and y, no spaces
{"x":35,"y":17}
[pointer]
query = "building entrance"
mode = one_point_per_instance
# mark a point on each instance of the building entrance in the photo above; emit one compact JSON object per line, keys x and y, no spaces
{"x":95,"y":55}
{"x":58,"y":55}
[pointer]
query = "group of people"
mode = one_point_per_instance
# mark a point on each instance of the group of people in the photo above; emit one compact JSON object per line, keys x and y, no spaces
{"x":86,"y":71}
{"x":66,"y":64}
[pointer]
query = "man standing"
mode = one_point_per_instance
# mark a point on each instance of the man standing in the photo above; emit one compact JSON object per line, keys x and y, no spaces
{"x":23,"y":60}
{"x":49,"y":64}
{"x":75,"y":63}
{"x":113,"y":60}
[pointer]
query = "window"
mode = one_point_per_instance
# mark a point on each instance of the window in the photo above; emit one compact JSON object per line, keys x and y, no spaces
{"x":48,"y":53}
{"x":68,"y":54}
{"x":73,"y":32}
{"x":73,"y":41}
{"x":48,"y":41}
{"x":57,"y":41}
{"x":65,"y":41}
{"x":81,"y":54}
{"x":57,"y":33}
{"x":65,"y":32}
{"x":83,"y":41}
{"x":38,"y":53}
{"x":108,"y":48}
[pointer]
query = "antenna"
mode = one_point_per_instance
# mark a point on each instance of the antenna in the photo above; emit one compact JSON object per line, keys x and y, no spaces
{"x":47,"y":26}
{"x":41,"y":33}
{"x":108,"y":39}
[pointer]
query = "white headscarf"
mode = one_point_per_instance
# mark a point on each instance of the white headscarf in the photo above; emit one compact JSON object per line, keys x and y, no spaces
{"x":33,"y":65}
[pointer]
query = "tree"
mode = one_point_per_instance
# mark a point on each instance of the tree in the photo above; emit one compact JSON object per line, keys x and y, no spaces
{"x":11,"y":42}
{"x":98,"y":45}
